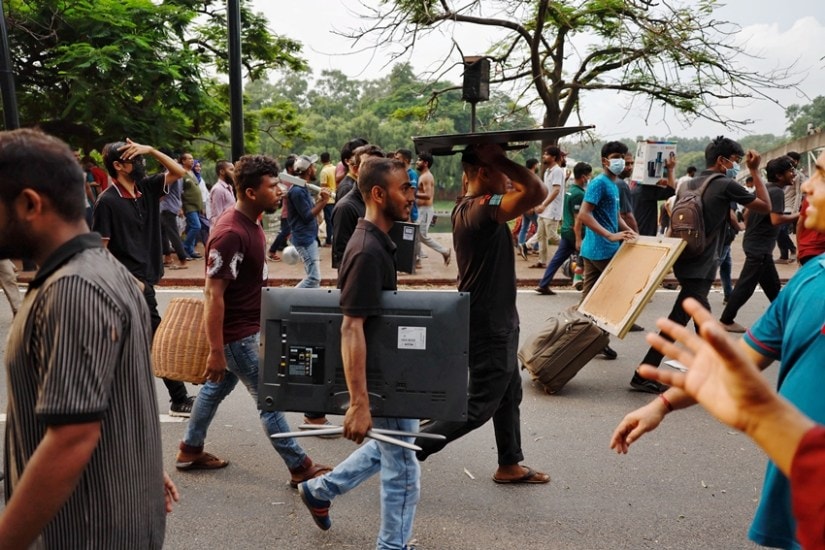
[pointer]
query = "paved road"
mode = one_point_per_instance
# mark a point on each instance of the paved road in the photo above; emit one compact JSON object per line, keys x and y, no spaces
{"x":692,"y":484}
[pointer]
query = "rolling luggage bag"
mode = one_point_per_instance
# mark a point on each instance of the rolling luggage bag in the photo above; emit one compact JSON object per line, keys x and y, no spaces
{"x":566,"y":342}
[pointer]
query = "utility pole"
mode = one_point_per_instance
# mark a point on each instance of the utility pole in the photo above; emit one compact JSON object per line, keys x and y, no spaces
{"x":10,"y":117}
{"x":233,"y":7}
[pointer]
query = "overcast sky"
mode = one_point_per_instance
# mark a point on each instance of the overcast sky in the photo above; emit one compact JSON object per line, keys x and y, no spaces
{"x":770,"y":30}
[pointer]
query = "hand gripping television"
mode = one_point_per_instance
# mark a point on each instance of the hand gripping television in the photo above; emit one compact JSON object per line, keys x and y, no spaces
{"x":417,"y":353}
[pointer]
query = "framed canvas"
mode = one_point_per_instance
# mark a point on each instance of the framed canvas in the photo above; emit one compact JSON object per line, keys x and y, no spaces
{"x":628,"y":283}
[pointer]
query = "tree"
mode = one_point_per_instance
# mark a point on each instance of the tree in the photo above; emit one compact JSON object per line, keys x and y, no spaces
{"x":801,"y":116}
{"x":674,"y":57}
{"x":92,"y":71}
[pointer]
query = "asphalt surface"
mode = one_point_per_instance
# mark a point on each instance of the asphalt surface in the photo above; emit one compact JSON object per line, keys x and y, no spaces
{"x":691,"y":484}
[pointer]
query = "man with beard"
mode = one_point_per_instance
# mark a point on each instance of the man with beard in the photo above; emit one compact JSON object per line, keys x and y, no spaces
{"x":549,"y":212}
{"x":222,"y":194}
{"x":367,"y":269}
{"x":83,"y":442}
{"x":127,"y":216}
{"x":236,"y":270}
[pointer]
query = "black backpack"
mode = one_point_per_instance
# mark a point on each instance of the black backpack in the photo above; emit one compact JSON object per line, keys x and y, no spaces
{"x":687,"y":219}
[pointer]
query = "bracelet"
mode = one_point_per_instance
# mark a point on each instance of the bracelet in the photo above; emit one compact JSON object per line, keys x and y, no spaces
{"x":666,"y":402}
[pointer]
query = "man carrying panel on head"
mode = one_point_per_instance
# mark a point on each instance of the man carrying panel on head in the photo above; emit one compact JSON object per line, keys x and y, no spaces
{"x":486,"y":269}
{"x":367,"y":269}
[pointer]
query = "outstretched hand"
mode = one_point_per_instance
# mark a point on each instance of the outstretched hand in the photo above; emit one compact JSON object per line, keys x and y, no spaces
{"x":720,"y":374}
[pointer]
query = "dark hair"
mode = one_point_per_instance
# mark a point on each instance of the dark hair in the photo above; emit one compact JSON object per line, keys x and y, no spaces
{"x":374,"y":171}
{"x":722,"y":147}
{"x":350,"y":146}
{"x":613,"y":147}
{"x":289,"y":163}
{"x":582,"y":169}
{"x":691,"y":170}
{"x":220,"y":165}
{"x":553,"y":151}
{"x":250,"y":169}
{"x":428,"y":158}
{"x":30,"y":159}
{"x":325,"y":157}
{"x":778,"y":166}
{"x":795,"y":156}
{"x":111,"y":153}
{"x":531,"y":163}
{"x":367,"y":149}
{"x":183,"y":154}
{"x":406,"y":153}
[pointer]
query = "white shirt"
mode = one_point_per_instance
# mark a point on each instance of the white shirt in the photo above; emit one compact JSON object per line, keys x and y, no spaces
{"x":554,"y":177}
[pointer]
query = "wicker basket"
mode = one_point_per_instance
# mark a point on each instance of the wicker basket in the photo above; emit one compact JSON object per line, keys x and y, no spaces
{"x":180,"y":348}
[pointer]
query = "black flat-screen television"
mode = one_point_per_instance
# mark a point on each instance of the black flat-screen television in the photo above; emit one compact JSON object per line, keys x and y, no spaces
{"x":417,"y":353}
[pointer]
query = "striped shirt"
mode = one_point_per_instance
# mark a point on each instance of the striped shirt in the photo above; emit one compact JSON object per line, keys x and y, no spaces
{"x":78,"y":351}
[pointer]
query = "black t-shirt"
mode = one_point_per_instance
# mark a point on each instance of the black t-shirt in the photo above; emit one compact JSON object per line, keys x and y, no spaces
{"x":345,"y":216}
{"x":716,"y":203}
{"x":760,"y":233}
{"x":625,"y":202}
{"x":132,"y":225}
{"x":367,"y":269}
{"x":345,"y":187}
{"x":646,"y":206}
{"x":485,"y":257}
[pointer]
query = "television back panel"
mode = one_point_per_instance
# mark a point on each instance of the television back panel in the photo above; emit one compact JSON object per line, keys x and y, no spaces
{"x":417,"y":353}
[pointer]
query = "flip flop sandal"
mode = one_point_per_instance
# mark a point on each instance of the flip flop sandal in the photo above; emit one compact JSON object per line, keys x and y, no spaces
{"x":205,"y":461}
{"x":530,"y":476}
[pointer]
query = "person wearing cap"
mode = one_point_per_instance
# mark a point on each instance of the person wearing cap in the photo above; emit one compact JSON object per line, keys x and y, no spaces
{"x":303,"y":213}
{"x":486,"y":269}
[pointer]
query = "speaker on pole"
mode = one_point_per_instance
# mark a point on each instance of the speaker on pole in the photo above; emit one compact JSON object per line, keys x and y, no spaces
{"x":476,"y":85}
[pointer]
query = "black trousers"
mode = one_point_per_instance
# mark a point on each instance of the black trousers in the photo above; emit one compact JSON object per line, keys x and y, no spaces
{"x":494,"y":392}
{"x":758,"y":268}
{"x":280,"y":239}
{"x":784,"y":241}
{"x":177,"y":389}
{"x":170,"y":234}
{"x":688,"y":288}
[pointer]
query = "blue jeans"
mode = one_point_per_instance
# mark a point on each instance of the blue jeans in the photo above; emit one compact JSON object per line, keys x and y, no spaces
{"x":193,"y":230}
{"x":241,"y":363}
{"x":564,"y":251}
{"x":526,"y":220}
{"x":400,"y":482}
{"x":311,"y":258}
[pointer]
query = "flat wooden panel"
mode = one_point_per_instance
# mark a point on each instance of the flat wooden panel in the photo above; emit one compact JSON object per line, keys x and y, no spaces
{"x":628,"y":283}
{"x":509,"y":139}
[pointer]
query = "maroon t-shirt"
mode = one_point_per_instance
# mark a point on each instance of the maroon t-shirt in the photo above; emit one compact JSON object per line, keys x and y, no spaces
{"x":808,"y":489}
{"x":235,"y":251}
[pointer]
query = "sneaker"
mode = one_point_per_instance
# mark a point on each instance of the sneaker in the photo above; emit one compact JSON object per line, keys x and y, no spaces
{"x":545,"y":291}
{"x":608,"y":353}
{"x":182,"y":409}
{"x":319,"y":509}
{"x":648,"y":386}
{"x":733,"y":327}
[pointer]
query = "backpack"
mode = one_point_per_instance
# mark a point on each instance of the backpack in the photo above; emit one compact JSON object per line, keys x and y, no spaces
{"x":687,"y":218}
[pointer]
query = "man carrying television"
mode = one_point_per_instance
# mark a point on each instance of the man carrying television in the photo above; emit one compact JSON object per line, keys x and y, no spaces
{"x":486,"y":269}
{"x":367,"y":269}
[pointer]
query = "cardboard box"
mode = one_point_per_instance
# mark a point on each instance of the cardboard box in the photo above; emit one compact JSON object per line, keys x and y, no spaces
{"x":649,"y":165}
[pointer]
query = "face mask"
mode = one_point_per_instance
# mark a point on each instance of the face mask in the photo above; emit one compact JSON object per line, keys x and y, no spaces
{"x":733,"y":171}
{"x":616,"y":166}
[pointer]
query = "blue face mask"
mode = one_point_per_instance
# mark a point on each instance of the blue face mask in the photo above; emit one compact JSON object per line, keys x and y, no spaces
{"x":733,"y":171}
{"x":616,"y":166}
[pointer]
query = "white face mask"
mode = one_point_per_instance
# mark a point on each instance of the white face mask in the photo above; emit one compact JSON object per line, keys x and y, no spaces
{"x":616,"y":166}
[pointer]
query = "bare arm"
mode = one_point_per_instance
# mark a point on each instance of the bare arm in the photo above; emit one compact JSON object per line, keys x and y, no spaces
{"x":528,"y":190}
{"x":551,"y":196}
{"x":174,"y":170}
{"x":426,"y":183}
{"x":587,"y":218}
{"x":213,"y":313}
{"x":762,"y":202}
{"x":47,"y":482}
{"x":627,"y":222}
{"x":358,"y":419}
{"x":782,"y":219}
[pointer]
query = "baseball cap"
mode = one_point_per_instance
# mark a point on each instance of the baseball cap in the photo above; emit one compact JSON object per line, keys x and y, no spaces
{"x":303,"y":162}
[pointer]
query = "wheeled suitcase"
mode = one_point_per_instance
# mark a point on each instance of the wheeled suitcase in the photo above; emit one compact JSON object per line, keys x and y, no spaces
{"x":566,"y":342}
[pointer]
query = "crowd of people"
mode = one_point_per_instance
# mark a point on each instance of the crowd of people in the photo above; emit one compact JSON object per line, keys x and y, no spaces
{"x":78,"y":361}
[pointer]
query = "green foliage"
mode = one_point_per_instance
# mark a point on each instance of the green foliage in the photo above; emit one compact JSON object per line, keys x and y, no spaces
{"x":94,"y":71}
{"x":799,"y":116}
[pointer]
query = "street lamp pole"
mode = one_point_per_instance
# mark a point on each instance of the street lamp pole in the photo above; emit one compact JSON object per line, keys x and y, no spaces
{"x":233,"y":8}
{"x":10,"y":116}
